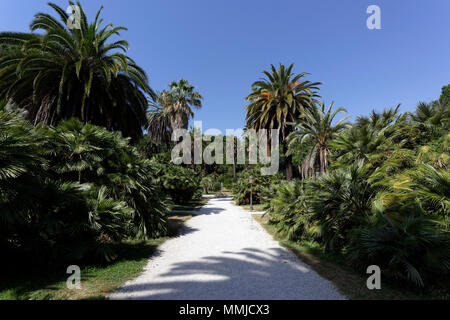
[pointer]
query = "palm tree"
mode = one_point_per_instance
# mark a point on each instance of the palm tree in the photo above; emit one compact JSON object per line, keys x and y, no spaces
{"x":318,"y":130}
{"x":181,"y":97}
{"x":279,"y":98}
{"x":433,"y":114}
{"x":159,"y":123}
{"x":65,"y":73}
{"x":371,"y":138}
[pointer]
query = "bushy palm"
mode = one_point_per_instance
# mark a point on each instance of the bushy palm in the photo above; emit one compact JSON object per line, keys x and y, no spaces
{"x":291,"y":210}
{"x":341,"y":200}
{"x":50,"y":218}
{"x":435,"y":113}
{"x":89,"y":154}
{"x":404,"y":243}
{"x":371,"y":139}
{"x":65,"y":73}
{"x":20,"y":167}
{"x":424,"y":183}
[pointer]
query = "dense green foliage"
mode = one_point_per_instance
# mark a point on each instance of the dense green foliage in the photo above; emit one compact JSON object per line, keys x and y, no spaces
{"x":68,"y":191}
{"x":243,"y":188}
{"x":63,"y":73}
{"x":181,"y":184}
{"x":385,"y":200}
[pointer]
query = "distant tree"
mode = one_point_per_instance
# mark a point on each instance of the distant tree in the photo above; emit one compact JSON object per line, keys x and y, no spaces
{"x":445,"y":95}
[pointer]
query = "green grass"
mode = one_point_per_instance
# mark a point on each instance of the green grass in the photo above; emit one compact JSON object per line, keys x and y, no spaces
{"x":193,"y":205}
{"x":256,"y":207}
{"x":348,"y":281}
{"x":96,"y":280}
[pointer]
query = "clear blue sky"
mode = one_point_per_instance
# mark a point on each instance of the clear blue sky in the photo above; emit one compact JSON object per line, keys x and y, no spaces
{"x":221,"y":46}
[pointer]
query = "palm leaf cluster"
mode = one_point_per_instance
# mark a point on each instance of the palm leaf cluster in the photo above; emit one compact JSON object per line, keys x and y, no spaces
{"x":385,"y":199}
{"x":171,"y":110}
{"x":315,"y":131}
{"x":61,"y":73}
{"x":68,"y":193}
{"x":278,"y":99}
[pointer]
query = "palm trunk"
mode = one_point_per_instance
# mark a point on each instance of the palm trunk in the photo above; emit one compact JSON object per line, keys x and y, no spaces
{"x":287,"y":159}
{"x":289,"y":168}
{"x":323,"y":161}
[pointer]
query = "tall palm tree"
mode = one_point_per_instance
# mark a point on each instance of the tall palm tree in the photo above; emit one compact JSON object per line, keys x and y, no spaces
{"x":181,"y":97}
{"x":279,"y":98}
{"x":64,"y":73}
{"x":317,"y":129}
{"x":159,"y":123}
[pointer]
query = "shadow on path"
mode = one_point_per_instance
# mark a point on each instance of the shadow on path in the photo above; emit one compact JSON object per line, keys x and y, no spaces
{"x":248,"y":274}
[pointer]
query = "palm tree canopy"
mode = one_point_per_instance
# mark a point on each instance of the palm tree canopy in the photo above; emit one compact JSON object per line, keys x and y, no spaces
{"x":279,"y":98}
{"x":317,"y":129}
{"x":179,"y":100}
{"x":65,"y":73}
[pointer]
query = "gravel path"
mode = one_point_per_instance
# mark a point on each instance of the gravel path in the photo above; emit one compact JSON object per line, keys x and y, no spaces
{"x":223,"y":253}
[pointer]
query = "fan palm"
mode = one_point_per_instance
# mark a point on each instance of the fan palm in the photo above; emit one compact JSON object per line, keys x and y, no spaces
{"x":404,"y":242}
{"x":290,"y":209}
{"x":341,"y":200}
{"x":370,"y":139}
{"x":159,"y":121}
{"x":65,"y":73}
{"x":178,"y":101}
{"x":317,"y":128}
{"x":279,"y":98}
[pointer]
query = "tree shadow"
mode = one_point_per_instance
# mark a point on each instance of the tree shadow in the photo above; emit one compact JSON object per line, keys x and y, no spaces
{"x":250,"y":274}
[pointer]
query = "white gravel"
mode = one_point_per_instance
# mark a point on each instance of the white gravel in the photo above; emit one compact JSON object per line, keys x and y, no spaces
{"x":224,"y":254}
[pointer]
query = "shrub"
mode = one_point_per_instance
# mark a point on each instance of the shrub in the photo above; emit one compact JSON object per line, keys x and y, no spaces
{"x":89,"y":154}
{"x":181,"y":184}
{"x":242,"y":188}
{"x":341,"y":201}
{"x":404,"y":243}
{"x":290,"y":209}
{"x":68,"y":192}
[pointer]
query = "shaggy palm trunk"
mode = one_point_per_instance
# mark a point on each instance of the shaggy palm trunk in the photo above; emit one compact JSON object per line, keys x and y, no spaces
{"x":323,"y":161}
{"x":289,"y":168}
{"x":288,"y":158}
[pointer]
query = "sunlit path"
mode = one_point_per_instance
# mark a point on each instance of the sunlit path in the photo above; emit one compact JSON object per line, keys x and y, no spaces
{"x":223,"y":253}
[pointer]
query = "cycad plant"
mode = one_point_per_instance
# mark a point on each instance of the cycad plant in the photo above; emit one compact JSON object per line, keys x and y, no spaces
{"x":63,"y":73}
